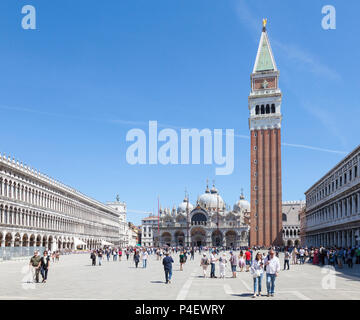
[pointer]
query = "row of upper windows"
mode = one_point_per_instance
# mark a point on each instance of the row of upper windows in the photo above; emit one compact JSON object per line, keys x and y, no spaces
{"x":337,"y":210}
{"x":18,"y":217}
{"x":18,"y":191}
{"x":264,"y":109}
{"x":334,"y":185}
{"x":38,"y":188}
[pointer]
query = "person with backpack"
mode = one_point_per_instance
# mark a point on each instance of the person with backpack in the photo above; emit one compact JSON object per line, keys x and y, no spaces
{"x":204,"y":263}
{"x":233,"y":263}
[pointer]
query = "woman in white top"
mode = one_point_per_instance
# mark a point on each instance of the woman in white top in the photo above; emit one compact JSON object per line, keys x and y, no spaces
{"x":257,"y":270}
{"x":222,"y":265}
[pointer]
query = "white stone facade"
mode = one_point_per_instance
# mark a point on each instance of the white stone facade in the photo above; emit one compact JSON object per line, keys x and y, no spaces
{"x":332,"y":215}
{"x":36,"y":210}
{"x":120,"y":207}
{"x":149,"y":226}
{"x":291,"y":222}
{"x":208,"y":223}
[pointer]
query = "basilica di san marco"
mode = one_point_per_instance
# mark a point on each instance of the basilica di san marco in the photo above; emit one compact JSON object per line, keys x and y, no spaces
{"x":209,"y":223}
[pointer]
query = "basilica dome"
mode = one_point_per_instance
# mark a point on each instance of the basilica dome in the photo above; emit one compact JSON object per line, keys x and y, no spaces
{"x":242,"y":205}
{"x":211,"y":199}
{"x":183,"y":205}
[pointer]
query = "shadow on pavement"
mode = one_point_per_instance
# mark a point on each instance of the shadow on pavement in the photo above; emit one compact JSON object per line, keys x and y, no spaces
{"x":243,"y":295}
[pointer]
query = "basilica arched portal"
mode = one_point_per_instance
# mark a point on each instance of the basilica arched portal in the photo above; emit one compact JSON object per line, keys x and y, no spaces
{"x":230,"y":238}
{"x":198,"y":236}
{"x":217,"y":238}
{"x":179,"y":238}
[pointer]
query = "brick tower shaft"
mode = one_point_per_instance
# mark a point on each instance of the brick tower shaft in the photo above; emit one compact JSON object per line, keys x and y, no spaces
{"x":265,"y":155}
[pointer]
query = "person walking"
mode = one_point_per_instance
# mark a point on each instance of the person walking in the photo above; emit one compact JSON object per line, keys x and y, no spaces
{"x":115,"y":255}
{"x":204,"y":263}
{"x":349,"y":257}
{"x":241,"y":261}
{"x":167,"y":263}
{"x":44,"y":266}
{"x":144,"y":258}
{"x":93,"y":258}
{"x":127,"y":252}
{"x":248,"y":259}
{"x":286,"y":260}
{"x":294,"y":255}
{"x":272,"y":264}
{"x":212,"y":264}
{"x":357,"y":253}
{"x":222,"y":265}
{"x":35,"y":264}
{"x":100,"y":255}
{"x":257,"y":271}
{"x":192,"y":254}
{"x":120,"y":254}
{"x":233,"y":263}
{"x":182,"y":258}
{"x":302,"y":255}
{"x":107,"y":253}
{"x":136,"y":258}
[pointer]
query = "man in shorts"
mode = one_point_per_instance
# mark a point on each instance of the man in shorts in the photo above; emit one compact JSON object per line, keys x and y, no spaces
{"x":248,"y":259}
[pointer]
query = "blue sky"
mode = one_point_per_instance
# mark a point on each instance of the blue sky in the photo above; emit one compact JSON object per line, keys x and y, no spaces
{"x":71,"y":89}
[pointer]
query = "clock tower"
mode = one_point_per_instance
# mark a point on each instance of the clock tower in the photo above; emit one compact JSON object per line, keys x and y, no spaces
{"x":265,"y":154}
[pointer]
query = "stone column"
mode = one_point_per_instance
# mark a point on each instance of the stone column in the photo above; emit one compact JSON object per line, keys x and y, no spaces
{"x":353,"y":205}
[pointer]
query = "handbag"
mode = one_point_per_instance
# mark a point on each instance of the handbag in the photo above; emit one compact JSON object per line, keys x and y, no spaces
{"x":256,"y":274}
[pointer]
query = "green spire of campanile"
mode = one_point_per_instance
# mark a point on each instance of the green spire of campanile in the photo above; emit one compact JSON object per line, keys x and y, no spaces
{"x":264,"y":59}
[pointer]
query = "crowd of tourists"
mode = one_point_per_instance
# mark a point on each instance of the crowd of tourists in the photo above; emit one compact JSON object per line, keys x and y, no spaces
{"x":260,"y":262}
{"x":334,"y":256}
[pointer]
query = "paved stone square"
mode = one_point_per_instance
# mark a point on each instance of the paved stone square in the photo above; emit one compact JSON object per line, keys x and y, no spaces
{"x":74,"y":278}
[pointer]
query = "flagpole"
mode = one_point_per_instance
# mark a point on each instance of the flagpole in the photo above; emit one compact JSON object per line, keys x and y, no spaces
{"x":159,"y":219}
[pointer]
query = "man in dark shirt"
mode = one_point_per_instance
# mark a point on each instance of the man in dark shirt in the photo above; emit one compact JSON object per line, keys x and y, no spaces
{"x":167,"y":262}
{"x":35,"y":263}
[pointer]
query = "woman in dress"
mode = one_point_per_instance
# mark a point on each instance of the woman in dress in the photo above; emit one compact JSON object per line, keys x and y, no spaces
{"x":294,"y":255}
{"x":222,"y":265}
{"x":241,"y":261}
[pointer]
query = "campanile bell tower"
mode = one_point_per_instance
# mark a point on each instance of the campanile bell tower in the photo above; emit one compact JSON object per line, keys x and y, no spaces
{"x":265,"y":154}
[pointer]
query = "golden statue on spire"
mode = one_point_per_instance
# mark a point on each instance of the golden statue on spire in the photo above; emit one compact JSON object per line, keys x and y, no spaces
{"x":264,"y":22}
